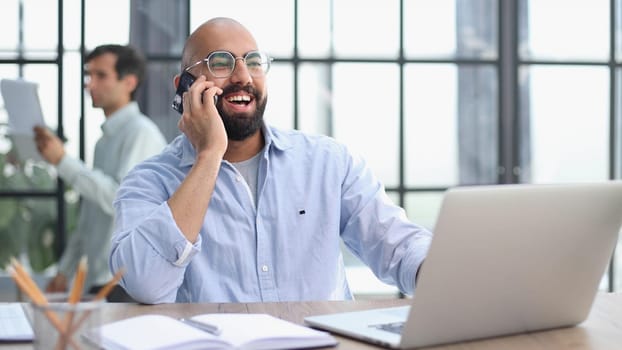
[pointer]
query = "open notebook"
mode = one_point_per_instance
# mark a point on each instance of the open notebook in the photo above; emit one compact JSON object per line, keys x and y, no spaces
{"x":248,"y":331}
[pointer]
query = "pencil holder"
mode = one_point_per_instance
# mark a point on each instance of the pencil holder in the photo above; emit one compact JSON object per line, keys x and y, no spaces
{"x":60,"y":324}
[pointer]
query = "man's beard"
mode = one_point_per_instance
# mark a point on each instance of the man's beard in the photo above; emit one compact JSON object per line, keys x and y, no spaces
{"x":239,"y":126}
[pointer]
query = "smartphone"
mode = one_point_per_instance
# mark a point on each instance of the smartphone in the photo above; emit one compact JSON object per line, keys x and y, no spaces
{"x":185,"y":80}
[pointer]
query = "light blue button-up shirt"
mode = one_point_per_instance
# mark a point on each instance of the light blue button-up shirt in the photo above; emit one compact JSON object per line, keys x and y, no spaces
{"x":311,"y":193}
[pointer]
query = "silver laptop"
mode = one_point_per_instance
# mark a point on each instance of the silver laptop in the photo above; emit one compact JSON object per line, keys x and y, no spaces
{"x":503,"y":260}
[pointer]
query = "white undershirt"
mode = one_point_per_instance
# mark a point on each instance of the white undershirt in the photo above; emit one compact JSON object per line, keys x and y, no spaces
{"x":248,"y":169}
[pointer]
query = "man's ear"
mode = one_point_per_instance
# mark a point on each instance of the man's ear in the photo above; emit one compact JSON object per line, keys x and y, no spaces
{"x":131,"y":81}
{"x":176,"y":81}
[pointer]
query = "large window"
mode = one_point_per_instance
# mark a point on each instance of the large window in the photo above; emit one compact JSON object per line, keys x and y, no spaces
{"x":433,"y":93}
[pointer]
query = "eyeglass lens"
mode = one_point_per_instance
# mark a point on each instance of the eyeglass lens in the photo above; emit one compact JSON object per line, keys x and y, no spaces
{"x":222,"y":63}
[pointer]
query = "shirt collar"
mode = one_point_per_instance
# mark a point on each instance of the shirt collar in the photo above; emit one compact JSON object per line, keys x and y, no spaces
{"x":117,"y":120}
{"x":272,"y":139}
{"x":275,"y":139}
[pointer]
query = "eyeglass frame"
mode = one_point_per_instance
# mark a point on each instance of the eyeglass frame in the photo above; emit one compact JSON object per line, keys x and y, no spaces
{"x":235,"y":60}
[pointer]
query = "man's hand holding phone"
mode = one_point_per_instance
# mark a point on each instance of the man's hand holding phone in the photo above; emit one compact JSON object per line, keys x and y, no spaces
{"x":200,"y":120}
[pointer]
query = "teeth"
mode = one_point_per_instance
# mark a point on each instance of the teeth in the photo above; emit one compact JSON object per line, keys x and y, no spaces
{"x":239,"y":98}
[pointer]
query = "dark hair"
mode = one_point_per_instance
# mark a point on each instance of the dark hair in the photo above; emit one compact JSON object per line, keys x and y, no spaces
{"x":129,"y":61}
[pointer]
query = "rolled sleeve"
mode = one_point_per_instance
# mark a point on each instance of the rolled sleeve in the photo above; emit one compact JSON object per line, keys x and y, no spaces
{"x":413,"y":259}
{"x":154,"y":247}
{"x":161,"y":233}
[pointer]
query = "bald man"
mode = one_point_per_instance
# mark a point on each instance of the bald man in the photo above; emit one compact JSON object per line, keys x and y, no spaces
{"x":234,"y":210}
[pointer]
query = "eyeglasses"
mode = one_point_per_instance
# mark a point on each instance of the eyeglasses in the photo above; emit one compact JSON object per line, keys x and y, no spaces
{"x":222,"y":63}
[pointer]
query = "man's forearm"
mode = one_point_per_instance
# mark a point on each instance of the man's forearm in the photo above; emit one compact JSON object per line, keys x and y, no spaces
{"x":190,"y":201}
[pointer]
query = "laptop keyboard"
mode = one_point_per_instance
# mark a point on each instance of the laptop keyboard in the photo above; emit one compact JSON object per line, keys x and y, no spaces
{"x":393,"y":327}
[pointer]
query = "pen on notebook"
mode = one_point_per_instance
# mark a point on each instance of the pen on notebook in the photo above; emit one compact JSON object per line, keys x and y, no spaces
{"x":210,"y":328}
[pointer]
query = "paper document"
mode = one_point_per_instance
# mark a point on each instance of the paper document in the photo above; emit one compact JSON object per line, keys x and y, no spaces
{"x":14,"y":325}
{"x":21,"y":102}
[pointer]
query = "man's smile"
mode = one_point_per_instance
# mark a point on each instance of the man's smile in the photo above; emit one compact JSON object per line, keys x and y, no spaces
{"x":239,"y":102}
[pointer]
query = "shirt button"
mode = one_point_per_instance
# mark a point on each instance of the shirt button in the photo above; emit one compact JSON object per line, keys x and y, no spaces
{"x":264,"y":268}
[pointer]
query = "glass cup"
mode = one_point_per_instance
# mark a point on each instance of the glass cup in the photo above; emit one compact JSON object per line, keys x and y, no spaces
{"x":60,"y":325}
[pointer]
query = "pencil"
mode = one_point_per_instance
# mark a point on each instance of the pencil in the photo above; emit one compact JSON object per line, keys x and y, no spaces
{"x":25,"y":286}
{"x":73,"y":299}
{"x":78,"y":283}
{"x":29,"y":287}
{"x":108,"y":287}
{"x":102,"y":294}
